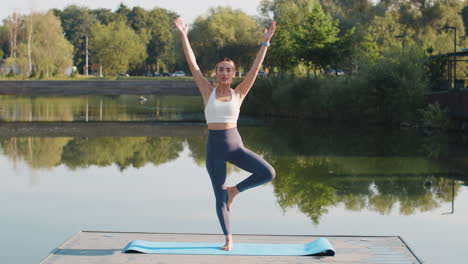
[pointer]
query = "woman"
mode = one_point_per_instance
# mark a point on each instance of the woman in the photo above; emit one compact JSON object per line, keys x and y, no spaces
{"x":222,"y":106}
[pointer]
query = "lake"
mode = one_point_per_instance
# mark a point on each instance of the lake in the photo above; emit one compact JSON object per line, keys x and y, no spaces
{"x":121,"y":163}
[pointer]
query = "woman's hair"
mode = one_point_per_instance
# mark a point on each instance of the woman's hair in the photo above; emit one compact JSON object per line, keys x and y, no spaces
{"x":228,"y":61}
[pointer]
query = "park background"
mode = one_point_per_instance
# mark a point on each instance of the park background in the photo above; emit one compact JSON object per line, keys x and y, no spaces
{"x":344,"y":110}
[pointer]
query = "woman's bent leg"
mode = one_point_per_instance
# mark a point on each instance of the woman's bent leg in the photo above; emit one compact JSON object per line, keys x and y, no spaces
{"x":262,"y":171}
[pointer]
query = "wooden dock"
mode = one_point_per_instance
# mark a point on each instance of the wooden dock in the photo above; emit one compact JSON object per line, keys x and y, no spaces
{"x":106,"y":247}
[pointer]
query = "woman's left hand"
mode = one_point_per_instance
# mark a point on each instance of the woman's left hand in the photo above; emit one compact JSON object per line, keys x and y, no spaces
{"x":269,"y":33}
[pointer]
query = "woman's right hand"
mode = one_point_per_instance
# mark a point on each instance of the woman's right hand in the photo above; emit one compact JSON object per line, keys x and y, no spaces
{"x":183,"y":28}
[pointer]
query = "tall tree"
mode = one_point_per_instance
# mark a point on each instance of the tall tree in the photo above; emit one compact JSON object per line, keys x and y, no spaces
{"x":51,"y":53}
{"x":116,"y":47}
{"x":317,"y":31}
{"x":162,"y":42}
{"x":383,"y":34}
{"x":350,"y":13}
{"x":77,"y":23}
{"x":4,"y":43}
{"x":104,"y":16}
{"x":464,"y":14}
{"x":155,"y":29}
{"x":303,"y":34}
{"x":29,"y":31}
{"x":288,"y":14}
{"x":123,"y":11}
{"x":225,"y":32}
{"x":14,"y":24}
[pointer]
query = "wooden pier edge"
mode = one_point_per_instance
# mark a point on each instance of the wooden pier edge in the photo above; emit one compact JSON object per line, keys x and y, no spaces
{"x":75,"y":236}
{"x":53,"y":251}
{"x":409,"y":249}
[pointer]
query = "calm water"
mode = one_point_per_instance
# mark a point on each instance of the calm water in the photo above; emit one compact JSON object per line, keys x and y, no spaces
{"x":62,"y":177}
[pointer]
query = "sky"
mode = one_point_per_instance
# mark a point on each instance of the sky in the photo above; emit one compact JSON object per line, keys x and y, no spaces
{"x":188,"y":10}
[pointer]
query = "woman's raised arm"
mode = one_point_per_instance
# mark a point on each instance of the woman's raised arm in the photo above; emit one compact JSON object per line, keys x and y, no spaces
{"x":203,"y":84}
{"x":244,"y":87}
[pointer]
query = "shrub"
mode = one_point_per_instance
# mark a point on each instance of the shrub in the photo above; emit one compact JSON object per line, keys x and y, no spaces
{"x":395,"y":86}
{"x":390,"y":89}
{"x":435,"y":116}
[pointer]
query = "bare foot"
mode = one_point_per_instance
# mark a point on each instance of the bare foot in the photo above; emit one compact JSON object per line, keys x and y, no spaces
{"x":228,"y":245}
{"x":231,"y":192}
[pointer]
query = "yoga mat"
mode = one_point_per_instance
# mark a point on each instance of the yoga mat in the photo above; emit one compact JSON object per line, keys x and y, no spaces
{"x":319,"y":247}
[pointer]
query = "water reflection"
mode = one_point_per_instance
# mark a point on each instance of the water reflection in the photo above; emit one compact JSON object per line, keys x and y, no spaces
{"x":99,"y":108}
{"x":124,"y":152}
{"x":318,"y":167}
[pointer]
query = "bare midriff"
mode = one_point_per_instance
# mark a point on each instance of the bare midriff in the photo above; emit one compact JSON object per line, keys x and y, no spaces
{"x":221,"y":126}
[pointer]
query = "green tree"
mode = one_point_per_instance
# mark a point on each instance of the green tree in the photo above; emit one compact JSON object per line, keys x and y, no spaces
{"x":4,"y":44}
{"x":317,"y":32}
{"x":383,"y":34}
{"x":349,"y":13}
{"x":464,"y":14}
{"x":394,"y":85}
{"x":288,"y":14}
{"x":116,"y":46}
{"x":305,"y":34}
{"x":77,"y":23}
{"x":14,"y":25}
{"x":122,"y":11}
{"x":162,"y":45}
{"x":104,"y":16}
{"x":225,"y":33}
{"x":51,"y":53}
{"x":155,"y":29}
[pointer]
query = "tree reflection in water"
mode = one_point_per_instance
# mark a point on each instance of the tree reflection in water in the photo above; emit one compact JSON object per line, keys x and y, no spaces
{"x":101,"y":151}
{"x":317,"y":167}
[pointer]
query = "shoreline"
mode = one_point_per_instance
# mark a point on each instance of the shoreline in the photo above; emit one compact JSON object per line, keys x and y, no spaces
{"x":98,"y":87}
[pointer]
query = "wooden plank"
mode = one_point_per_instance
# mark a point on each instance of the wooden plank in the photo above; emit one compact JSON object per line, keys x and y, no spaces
{"x":106,"y":247}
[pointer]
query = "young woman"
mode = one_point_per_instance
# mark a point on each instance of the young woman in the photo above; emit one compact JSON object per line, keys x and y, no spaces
{"x":222,"y":106}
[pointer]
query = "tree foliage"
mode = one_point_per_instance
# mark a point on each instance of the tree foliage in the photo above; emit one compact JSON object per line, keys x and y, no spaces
{"x":313,"y":34}
{"x":305,"y":35}
{"x":225,"y":33}
{"x":116,"y":46}
{"x":155,"y":29}
{"x":77,"y":24}
{"x":104,"y":16}
{"x":51,"y":53}
{"x":4,"y":45}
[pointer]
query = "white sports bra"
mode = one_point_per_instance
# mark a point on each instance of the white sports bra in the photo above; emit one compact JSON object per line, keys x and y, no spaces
{"x":217,"y":111}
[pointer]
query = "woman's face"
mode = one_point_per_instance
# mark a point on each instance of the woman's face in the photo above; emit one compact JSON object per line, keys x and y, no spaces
{"x":225,"y":72}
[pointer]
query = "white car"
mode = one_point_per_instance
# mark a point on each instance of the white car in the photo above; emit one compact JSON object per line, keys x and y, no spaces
{"x":178,"y":74}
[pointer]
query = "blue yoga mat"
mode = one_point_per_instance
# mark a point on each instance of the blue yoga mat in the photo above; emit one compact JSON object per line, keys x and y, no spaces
{"x":319,"y":247}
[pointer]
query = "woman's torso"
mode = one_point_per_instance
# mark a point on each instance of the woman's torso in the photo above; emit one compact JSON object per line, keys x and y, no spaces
{"x":230,"y":98}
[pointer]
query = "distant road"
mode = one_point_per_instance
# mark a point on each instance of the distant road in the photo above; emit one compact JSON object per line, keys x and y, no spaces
{"x":105,"y":87}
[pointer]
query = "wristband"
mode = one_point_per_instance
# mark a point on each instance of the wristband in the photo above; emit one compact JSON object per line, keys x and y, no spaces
{"x":266,"y":44}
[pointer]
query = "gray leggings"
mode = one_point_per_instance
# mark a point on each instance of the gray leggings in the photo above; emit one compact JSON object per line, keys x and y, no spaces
{"x":226,"y":145}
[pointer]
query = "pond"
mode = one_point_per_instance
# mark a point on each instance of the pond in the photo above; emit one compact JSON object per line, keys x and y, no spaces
{"x":138,"y":165}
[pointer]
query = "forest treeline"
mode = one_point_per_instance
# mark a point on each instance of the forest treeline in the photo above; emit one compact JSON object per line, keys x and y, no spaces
{"x":312,"y":36}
